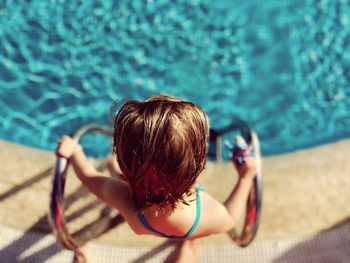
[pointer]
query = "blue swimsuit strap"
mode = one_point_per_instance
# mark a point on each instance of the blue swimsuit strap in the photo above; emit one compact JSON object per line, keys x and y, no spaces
{"x":189,"y":233}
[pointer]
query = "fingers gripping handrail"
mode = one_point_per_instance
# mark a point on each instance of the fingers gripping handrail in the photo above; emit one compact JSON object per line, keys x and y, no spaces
{"x":56,"y":215}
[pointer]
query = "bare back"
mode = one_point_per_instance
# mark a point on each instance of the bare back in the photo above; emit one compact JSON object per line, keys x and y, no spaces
{"x":214,"y":217}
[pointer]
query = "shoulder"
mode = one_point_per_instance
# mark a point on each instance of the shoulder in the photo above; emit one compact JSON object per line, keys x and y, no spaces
{"x":113,"y":191}
{"x":214,"y":216}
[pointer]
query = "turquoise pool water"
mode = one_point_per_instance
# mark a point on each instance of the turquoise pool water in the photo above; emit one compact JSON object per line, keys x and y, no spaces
{"x":283,"y":66}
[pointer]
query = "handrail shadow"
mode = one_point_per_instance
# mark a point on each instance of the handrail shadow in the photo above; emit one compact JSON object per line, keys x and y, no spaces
{"x":42,"y":227}
{"x":27,"y":183}
{"x":170,"y":258}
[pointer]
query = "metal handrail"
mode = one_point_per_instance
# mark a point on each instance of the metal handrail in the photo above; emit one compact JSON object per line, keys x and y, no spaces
{"x":244,"y":237}
{"x":56,"y":216}
{"x":254,"y":202}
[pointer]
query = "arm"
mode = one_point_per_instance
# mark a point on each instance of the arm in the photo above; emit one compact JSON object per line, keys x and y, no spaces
{"x":222,"y":217}
{"x":237,"y":200}
{"x":111,"y":190}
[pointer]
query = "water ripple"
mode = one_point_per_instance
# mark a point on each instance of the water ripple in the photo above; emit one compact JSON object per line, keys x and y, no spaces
{"x":284,"y":66}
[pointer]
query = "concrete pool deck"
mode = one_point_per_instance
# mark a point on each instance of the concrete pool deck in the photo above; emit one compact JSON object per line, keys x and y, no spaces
{"x":304,"y":193}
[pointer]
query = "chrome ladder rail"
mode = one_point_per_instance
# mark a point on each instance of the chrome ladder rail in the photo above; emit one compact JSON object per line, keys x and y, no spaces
{"x":253,"y":209}
{"x":56,"y":216}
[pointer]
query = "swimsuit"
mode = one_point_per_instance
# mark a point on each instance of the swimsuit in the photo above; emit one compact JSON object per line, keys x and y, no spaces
{"x":189,"y":233}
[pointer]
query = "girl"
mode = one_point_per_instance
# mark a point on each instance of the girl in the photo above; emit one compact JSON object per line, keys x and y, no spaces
{"x":160,"y":147}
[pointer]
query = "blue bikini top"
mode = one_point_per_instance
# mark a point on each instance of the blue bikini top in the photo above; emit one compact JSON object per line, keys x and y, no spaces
{"x":189,"y":233}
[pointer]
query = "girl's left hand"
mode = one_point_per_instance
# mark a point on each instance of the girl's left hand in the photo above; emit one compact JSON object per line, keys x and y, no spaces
{"x":66,"y":147}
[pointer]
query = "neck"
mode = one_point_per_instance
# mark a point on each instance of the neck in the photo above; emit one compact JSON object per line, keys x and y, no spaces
{"x":157,"y":211}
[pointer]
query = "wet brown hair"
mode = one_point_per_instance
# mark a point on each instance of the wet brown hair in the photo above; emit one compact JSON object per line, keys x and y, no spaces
{"x":161,"y":147}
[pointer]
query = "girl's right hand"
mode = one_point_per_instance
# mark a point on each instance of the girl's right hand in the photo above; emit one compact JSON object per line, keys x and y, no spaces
{"x":66,"y":147}
{"x":248,"y":169}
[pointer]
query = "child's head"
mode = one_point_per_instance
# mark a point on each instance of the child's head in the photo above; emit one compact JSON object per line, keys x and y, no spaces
{"x":161,"y":147}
